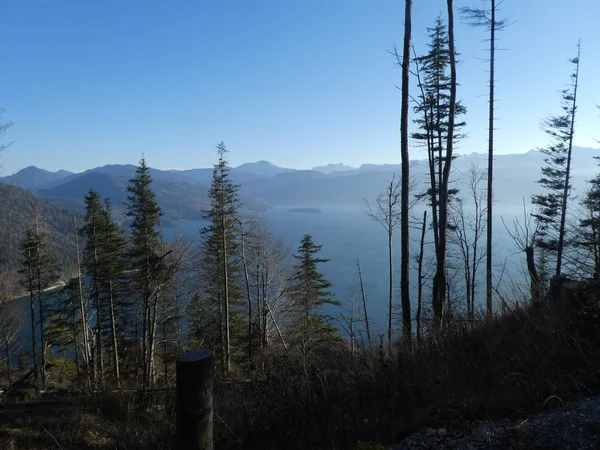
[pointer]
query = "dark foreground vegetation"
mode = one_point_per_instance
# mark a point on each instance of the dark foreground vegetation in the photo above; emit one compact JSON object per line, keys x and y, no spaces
{"x":527,"y":360}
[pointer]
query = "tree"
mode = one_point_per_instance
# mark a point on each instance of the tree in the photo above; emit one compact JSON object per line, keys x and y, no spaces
{"x":112,"y":244}
{"x":466,"y":232}
{"x":83,"y":313}
{"x":310,"y":291}
{"x":482,"y":17}
{"x":556,"y":174}
{"x":525,"y":236}
{"x":40,"y":272}
{"x":385,"y":212}
{"x":92,"y":230}
{"x":144,"y":258}
{"x":438,"y":110}
{"x":420,"y":256}
{"x":405,"y":179}
{"x":29,"y":262}
{"x":590,"y":224}
{"x":269,"y":273}
{"x":364,"y":302}
{"x":220,"y":244}
{"x":11,"y":319}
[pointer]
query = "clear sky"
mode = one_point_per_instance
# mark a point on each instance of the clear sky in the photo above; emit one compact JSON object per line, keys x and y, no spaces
{"x":296,"y":82}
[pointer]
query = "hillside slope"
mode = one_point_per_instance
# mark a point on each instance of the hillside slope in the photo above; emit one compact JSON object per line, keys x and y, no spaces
{"x":16,"y":215}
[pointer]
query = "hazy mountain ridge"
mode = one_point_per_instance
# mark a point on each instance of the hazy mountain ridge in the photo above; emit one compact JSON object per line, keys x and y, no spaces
{"x":183,"y":193}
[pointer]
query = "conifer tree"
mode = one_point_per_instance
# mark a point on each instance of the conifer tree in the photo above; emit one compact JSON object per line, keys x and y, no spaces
{"x":93,"y":230}
{"x":144,"y":258}
{"x":556,"y":174}
{"x":438,"y":112}
{"x":29,"y":262}
{"x":590,"y":225}
{"x":40,"y":271}
{"x":220,"y":245}
{"x":310,"y":291}
{"x":112,"y":272}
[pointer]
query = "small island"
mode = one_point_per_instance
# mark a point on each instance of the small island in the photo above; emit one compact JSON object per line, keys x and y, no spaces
{"x":306,"y":210}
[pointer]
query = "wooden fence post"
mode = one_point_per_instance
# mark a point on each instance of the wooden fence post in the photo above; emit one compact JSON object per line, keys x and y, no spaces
{"x":194,"y":400}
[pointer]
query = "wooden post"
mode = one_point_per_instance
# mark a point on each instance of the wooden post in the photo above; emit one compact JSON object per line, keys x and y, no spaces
{"x":194,"y":400}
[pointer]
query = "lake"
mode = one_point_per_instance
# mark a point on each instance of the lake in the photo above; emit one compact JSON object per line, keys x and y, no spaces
{"x":346,"y":234}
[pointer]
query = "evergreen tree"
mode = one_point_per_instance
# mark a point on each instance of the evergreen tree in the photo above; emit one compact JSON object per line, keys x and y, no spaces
{"x":438,"y":112}
{"x":590,"y":225}
{"x":556,"y":174}
{"x":310,"y":291}
{"x":27,"y":273}
{"x":93,"y":231}
{"x":40,"y":271}
{"x":220,"y":265}
{"x":112,"y":271}
{"x":146,"y":261}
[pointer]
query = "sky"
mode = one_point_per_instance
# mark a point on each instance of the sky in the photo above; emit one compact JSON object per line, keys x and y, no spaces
{"x":296,"y":82}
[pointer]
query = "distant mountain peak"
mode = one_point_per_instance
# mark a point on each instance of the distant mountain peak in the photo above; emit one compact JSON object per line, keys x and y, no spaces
{"x":33,"y":177}
{"x":333,"y":167}
{"x":262,"y":168}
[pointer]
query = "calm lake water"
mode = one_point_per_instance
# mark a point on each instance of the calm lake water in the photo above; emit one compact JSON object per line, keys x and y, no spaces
{"x":346,"y":234}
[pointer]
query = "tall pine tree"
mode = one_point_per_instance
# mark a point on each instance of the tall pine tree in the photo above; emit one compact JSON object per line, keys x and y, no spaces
{"x":310,"y":291}
{"x":556,"y":174}
{"x":146,"y":262}
{"x":40,"y":272}
{"x":221,"y":262}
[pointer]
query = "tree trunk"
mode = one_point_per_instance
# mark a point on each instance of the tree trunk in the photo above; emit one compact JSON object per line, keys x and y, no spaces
{"x":364,"y":302}
{"x":32,"y":313}
{"x":248,"y":295}
{"x":440,"y":275}
{"x":100,"y":359}
{"x":405,"y":182}
{"x":420,"y":276}
{"x":40,"y":306}
{"x":82,"y":310}
{"x":226,"y":292}
{"x":490,"y":178}
{"x":534,"y":288}
{"x":113,"y":330}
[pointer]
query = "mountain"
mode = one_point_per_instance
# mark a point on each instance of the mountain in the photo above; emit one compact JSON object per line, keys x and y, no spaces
{"x":16,"y":215}
{"x":261,"y":168}
{"x":32,"y":177}
{"x":183,"y":193}
{"x":336,"y":167}
{"x":178,"y":199}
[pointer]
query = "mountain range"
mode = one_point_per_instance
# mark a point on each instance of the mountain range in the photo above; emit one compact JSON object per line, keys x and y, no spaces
{"x":183,"y":193}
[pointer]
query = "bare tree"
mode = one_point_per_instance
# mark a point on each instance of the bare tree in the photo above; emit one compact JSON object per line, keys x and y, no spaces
{"x":486,"y":17}
{"x":269,"y":273}
{"x":467,"y":230}
{"x":405,"y":178}
{"x":385,"y":212}
{"x":524,"y":234}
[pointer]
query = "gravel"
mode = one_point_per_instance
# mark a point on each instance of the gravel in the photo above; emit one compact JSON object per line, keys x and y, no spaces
{"x":575,"y":426}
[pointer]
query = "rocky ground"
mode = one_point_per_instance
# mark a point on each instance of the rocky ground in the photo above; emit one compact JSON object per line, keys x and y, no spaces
{"x":574,"y":426}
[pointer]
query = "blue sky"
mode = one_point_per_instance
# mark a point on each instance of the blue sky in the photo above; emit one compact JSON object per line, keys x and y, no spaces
{"x":296,"y":82}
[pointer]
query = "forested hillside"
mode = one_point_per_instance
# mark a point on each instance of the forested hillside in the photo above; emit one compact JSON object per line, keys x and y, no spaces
{"x":17,"y":211}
